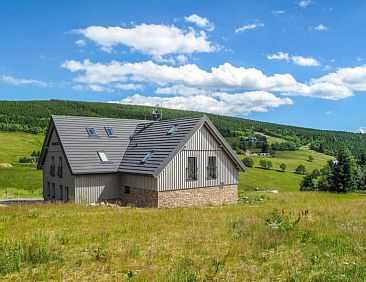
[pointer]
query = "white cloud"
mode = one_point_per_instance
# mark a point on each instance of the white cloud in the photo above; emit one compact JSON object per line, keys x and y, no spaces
{"x":362,"y":130}
{"x":304,"y":3}
{"x":220,"y":103}
{"x":80,"y":42}
{"x":200,"y":21}
{"x":182,"y":60}
{"x":321,"y":27}
{"x":91,"y":87}
{"x":189,"y":79}
{"x":297,"y":60}
{"x":222,"y":77}
{"x":22,"y":81}
{"x":150,"y":39}
{"x":248,"y":27}
{"x":278,"y":12}
{"x":353,"y":78}
{"x":130,"y":86}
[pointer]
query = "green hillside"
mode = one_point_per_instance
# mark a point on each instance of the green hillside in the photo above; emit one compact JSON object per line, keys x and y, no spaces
{"x":274,"y":179}
{"x":19,"y":180}
{"x":33,"y":116}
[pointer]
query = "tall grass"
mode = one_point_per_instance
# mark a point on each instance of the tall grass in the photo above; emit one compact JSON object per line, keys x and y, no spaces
{"x":283,"y":237}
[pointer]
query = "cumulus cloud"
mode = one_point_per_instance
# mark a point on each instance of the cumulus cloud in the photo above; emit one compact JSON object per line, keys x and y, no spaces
{"x":297,"y":60}
{"x":220,"y":103}
{"x":321,"y":27}
{"x":189,"y":79}
{"x":304,"y":3}
{"x":221,"y":77}
{"x":150,"y":39}
{"x":129,"y":86}
{"x":353,"y":78}
{"x":200,"y":21}
{"x":22,"y":81}
{"x":248,"y":27}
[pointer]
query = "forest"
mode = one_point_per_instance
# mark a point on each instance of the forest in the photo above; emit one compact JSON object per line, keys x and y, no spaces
{"x":33,"y":117}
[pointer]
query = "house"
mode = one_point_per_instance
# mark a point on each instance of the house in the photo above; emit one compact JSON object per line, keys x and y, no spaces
{"x":142,"y":163}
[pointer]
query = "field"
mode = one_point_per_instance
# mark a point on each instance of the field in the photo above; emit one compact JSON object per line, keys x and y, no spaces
{"x":257,"y":177}
{"x":284,"y":237}
{"x":20,"y":180}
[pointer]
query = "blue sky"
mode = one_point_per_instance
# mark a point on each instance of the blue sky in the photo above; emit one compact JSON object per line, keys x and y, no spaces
{"x":294,"y":62}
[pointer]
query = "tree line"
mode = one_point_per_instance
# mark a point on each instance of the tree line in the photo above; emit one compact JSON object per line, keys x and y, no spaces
{"x":33,"y":117}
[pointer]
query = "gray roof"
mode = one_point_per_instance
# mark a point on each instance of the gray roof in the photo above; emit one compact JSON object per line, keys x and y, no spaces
{"x":134,"y":139}
{"x":154,"y":137}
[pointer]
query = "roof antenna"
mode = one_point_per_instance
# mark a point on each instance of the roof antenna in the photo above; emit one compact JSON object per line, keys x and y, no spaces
{"x":157,"y":114}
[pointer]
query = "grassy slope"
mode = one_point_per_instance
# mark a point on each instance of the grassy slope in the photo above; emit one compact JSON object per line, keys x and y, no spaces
{"x":275,"y":179}
{"x":20,"y":180}
{"x":227,"y":243}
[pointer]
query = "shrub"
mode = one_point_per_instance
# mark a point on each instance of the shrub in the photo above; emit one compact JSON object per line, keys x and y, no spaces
{"x":307,"y":184}
{"x":310,"y":158}
{"x":248,"y":162}
{"x":266,"y":164}
{"x":301,"y":169}
{"x":283,"y":167}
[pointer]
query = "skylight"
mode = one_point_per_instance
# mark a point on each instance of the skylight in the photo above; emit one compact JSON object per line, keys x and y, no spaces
{"x":103,"y":156}
{"x":173,"y":129}
{"x":91,"y":131}
{"x":147,"y":157}
{"x":110,"y":131}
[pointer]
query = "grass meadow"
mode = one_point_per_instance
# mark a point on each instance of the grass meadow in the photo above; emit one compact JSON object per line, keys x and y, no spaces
{"x":284,"y":237}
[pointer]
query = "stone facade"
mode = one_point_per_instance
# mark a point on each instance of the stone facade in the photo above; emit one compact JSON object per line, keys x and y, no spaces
{"x":140,"y":198}
{"x":215,"y":195}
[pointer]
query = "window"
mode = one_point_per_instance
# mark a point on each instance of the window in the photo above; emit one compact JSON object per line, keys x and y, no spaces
{"x":91,"y":131}
{"x":127,"y":189}
{"x":110,"y":131}
{"x":48,"y":191}
{"x":52,"y":169}
{"x":61,"y":192}
{"x":53,"y":191}
{"x":192,"y":168}
{"x":66,"y":199}
{"x":173,"y":129}
{"x":103,"y":156}
{"x":147,"y":157}
{"x":211,"y":168}
{"x":59,"y":169}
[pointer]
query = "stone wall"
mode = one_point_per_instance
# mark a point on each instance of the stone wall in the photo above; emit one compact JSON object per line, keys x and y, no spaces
{"x":215,"y":195}
{"x":140,"y":198}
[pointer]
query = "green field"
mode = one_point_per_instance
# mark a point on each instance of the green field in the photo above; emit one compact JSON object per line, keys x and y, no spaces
{"x":21,"y":180}
{"x":244,"y":242}
{"x":257,"y":177}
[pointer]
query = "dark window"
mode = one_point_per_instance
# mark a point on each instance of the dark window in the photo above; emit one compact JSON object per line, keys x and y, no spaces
{"x":173,"y":129}
{"x":48,"y":191}
{"x":192,"y":168}
{"x":110,"y":131}
{"x":66,"y":194}
{"x":52,"y":169}
{"x":127,"y":189}
{"x":91,"y":131}
{"x":59,"y":168}
{"x":103,"y":156}
{"x":147,"y":157}
{"x":211,"y":168}
{"x":53,"y":191}
{"x":61,"y":192}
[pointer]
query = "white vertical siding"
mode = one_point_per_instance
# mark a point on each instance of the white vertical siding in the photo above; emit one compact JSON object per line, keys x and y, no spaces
{"x":201,"y":145}
{"x":92,"y":188}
